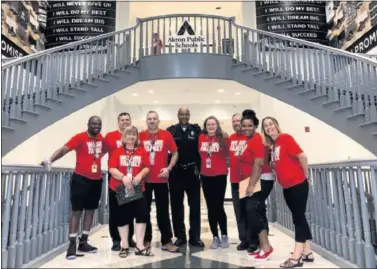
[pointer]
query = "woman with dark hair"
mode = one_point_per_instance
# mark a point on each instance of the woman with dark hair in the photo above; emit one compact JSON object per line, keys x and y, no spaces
{"x":128,"y":166}
{"x":213,"y":149}
{"x":291,"y":168}
{"x":252,"y":164}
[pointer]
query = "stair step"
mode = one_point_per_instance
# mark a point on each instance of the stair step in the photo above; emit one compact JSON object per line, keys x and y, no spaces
{"x":53,"y":101}
{"x":90,"y":84}
{"x":341,"y":109}
{"x":102,"y":79}
{"x":124,"y":71}
{"x":249,"y":69}
{"x":306,"y":91}
{"x":271,"y":78}
{"x":112,"y":75}
{"x":29,"y":115}
{"x":78,"y":89}
{"x":260,"y":73}
{"x":375,"y":134}
{"x":17,"y":122}
{"x":317,"y":97}
{"x":331,"y":103}
{"x":239,"y":64}
{"x":294,"y":87}
{"x":7,"y":129}
{"x":41,"y":108}
{"x":367,"y":124}
{"x":361,"y":115}
{"x":289,"y":81}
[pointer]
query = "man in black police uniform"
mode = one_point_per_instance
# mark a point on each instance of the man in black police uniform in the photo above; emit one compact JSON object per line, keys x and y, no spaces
{"x":185,"y":178}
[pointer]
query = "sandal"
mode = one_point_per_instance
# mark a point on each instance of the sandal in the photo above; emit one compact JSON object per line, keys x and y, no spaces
{"x":124,"y":252}
{"x":144,"y":252}
{"x":306,"y":257}
{"x":291,"y":263}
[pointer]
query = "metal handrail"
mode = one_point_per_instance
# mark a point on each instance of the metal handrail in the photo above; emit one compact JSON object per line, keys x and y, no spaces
{"x":355,"y":162}
{"x":308,"y":43}
{"x":66,"y":46}
{"x":185,"y":15}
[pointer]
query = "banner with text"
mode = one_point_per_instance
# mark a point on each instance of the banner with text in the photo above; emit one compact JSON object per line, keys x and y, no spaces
{"x":70,"y":21}
{"x":22,"y":27}
{"x":300,"y":19}
{"x":352,"y":25}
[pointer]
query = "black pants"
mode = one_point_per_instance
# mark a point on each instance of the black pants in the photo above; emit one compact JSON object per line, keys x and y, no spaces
{"x":85,"y":192}
{"x":181,"y":181}
{"x":161,"y":194}
{"x":113,"y":227}
{"x":214,"y":192}
{"x":296,"y":198}
{"x":256,"y":211}
{"x":240,"y":216}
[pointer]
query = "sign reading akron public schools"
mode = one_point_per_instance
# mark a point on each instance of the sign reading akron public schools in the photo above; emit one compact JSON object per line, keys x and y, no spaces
{"x":70,"y":21}
{"x":186,"y":38}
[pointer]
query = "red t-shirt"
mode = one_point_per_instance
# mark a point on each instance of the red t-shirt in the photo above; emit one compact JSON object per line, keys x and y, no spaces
{"x":121,"y":159}
{"x":162,"y":143}
{"x":218,"y":155}
{"x":266,"y":168}
{"x":287,"y":166}
{"x":254,"y":149}
{"x":89,"y":151}
{"x":112,"y":141}
{"x":237,"y":143}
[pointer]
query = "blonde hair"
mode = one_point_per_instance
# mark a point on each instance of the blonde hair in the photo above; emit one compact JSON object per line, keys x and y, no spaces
{"x":130,"y":130}
{"x":267,"y":140}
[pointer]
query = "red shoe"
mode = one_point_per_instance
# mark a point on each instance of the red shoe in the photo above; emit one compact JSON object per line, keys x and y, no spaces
{"x":252,"y":255}
{"x":263,"y":256}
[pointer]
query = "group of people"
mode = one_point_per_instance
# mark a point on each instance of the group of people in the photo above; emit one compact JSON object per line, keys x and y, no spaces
{"x":184,"y":158}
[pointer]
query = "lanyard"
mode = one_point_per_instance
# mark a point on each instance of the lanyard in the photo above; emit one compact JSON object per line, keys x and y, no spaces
{"x":95,"y":154}
{"x":152,"y":139}
{"x":209,"y":153}
{"x":129,"y":159}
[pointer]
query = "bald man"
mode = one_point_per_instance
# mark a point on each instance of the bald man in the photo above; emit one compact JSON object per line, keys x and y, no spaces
{"x":185,"y":178}
{"x":86,"y":182}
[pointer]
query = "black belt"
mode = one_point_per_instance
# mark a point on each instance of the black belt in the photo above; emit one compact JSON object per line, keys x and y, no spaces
{"x":187,"y":165}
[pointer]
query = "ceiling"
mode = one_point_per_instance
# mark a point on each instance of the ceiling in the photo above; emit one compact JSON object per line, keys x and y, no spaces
{"x":187,"y":91}
{"x":143,"y":9}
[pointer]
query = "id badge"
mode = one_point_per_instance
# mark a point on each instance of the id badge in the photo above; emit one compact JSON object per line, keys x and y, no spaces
{"x":152,"y":155}
{"x":208,"y":163}
{"x":94,"y":168}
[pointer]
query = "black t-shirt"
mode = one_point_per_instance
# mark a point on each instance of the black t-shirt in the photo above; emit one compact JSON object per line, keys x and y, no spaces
{"x":187,"y":143}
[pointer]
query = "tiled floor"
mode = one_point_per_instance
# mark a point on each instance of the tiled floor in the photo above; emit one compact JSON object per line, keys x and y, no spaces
{"x":189,"y":257}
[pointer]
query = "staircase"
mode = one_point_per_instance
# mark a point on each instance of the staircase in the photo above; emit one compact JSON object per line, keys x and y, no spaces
{"x":334,"y":86}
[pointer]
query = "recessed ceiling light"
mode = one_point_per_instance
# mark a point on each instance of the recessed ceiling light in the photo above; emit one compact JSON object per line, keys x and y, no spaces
{"x":217,"y":101}
{"x":218,"y":8}
{"x":151,"y":91}
{"x":156,"y":102}
{"x":237,"y":93}
{"x":135,"y":94}
{"x":220,"y":90}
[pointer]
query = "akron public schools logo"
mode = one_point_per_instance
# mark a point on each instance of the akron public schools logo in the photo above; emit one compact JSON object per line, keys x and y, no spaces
{"x":186,"y":37}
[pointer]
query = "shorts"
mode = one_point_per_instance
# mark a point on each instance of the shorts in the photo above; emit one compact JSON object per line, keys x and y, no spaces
{"x":125,"y":214}
{"x":85,"y":193}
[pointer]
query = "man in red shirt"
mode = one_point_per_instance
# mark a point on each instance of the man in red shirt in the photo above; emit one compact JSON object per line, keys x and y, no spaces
{"x":158,"y":143}
{"x":86,"y":182}
{"x":237,"y":143}
{"x":112,"y":142}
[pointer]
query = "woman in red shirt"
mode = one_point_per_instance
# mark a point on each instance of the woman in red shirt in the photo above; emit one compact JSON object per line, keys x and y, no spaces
{"x":128,"y":166}
{"x":291,"y":169}
{"x":252,"y":165}
{"x":213,"y":149}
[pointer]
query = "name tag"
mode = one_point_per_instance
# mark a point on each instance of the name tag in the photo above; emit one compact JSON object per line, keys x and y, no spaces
{"x":94,"y":168}
{"x":208,"y":163}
